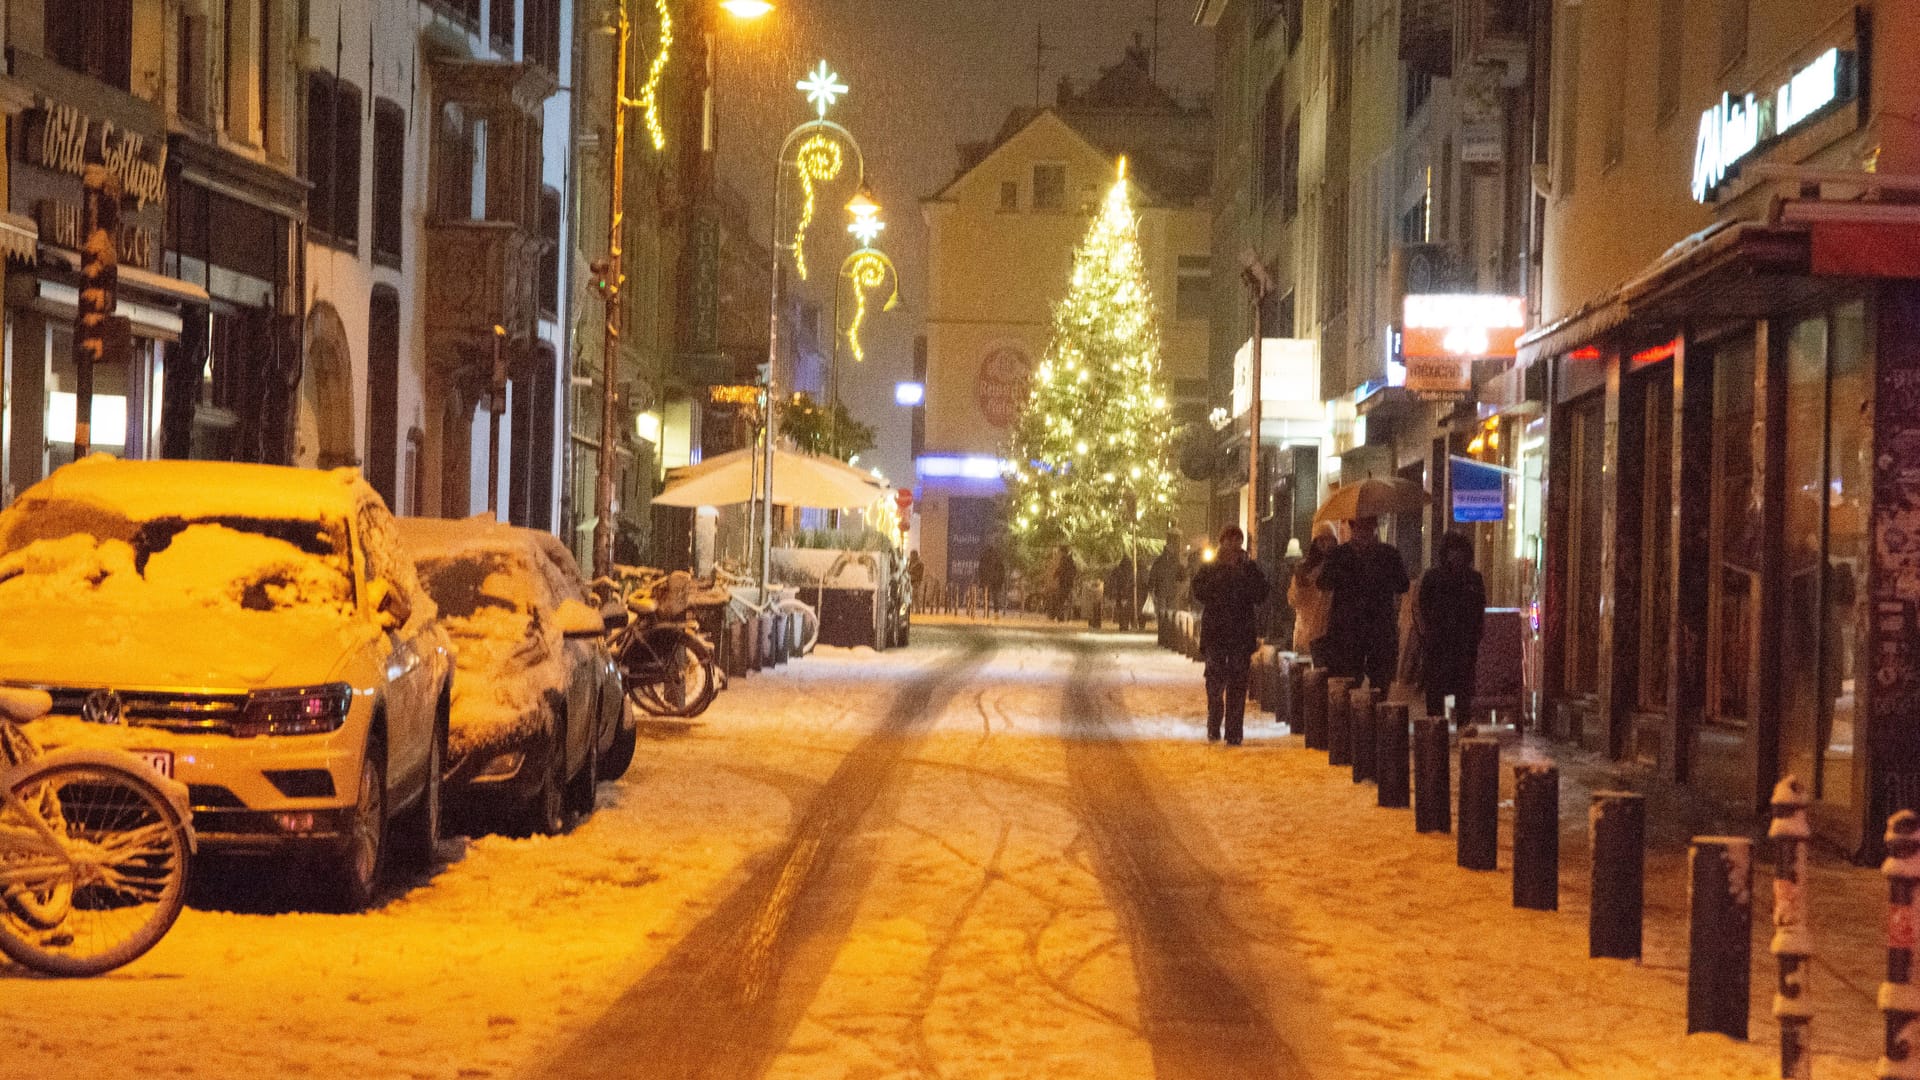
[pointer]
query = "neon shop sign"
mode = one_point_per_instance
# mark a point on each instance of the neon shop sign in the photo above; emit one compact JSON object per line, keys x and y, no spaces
{"x":1737,"y":128}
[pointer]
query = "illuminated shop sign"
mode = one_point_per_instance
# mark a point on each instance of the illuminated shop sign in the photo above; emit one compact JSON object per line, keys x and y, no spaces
{"x":1738,"y":127}
{"x":1461,"y":325}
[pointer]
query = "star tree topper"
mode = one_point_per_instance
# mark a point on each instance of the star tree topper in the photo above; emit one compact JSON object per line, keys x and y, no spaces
{"x":823,"y":88}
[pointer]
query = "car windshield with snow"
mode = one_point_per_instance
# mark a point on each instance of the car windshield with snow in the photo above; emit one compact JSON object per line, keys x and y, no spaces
{"x":538,"y":715}
{"x":253,"y":631}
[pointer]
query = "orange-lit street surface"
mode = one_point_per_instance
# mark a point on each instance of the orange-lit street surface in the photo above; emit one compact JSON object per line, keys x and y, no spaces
{"x":1007,"y":851}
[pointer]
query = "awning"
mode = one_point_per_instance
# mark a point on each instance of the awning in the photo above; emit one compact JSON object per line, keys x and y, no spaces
{"x":19,"y":237}
{"x":156,"y":286}
{"x":804,"y":480}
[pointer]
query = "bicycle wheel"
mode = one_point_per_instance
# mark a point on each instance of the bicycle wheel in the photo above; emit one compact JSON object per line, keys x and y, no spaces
{"x":122,"y":860}
{"x":809,"y":622}
{"x":681,"y":680}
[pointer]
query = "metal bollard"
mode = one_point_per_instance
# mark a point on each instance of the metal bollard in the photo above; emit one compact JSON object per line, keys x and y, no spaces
{"x":1792,"y":944}
{"x":1432,"y":778}
{"x":1478,"y":846}
{"x":1719,"y":934}
{"x":1292,"y":685}
{"x":1536,"y":836}
{"x":1899,"y":998}
{"x":1363,"y":704}
{"x":1391,"y":741}
{"x":1617,"y":823}
{"x":1340,"y":721}
{"x":1313,"y":707}
{"x":782,"y":639}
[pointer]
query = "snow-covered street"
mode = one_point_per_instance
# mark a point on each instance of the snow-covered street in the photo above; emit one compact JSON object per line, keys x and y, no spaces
{"x":1007,"y":851}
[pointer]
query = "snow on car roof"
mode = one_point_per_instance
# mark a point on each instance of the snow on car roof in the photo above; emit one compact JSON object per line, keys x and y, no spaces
{"x":142,"y":490}
{"x":431,"y":538}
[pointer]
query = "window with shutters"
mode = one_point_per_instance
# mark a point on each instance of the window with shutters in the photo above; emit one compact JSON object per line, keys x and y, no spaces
{"x":92,"y":37}
{"x":389,"y":181}
{"x":331,"y":161}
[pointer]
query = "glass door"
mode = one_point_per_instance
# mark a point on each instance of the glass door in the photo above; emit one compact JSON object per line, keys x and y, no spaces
{"x":1586,"y":451}
{"x":1656,"y":539}
{"x":1843,"y":599}
{"x":1733,"y":588}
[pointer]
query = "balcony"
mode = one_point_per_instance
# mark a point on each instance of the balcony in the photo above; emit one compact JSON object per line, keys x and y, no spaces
{"x":479,"y":274}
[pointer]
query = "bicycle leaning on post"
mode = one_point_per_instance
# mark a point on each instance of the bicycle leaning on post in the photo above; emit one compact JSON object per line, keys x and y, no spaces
{"x":94,"y":850}
{"x":666,"y":665}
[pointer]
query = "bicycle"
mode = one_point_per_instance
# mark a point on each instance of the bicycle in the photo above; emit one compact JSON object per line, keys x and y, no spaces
{"x":95,"y":850}
{"x":665,"y":664}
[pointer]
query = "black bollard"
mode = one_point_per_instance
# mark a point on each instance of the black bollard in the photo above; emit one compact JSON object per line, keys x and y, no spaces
{"x":1339,"y":721}
{"x":1792,"y":944}
{"x":1618,"y":824}
{"x":1313,"y":707}
{"x":1479,"y":836}
{"x":1899,"y":1000}
{"x":1432,"y":779}
{"x":1288,"y":710}
{"x":1720,"y":934}
{"x":1391,"y":740}
{"x":1360,"y":720}
{"x":1536,"y":836}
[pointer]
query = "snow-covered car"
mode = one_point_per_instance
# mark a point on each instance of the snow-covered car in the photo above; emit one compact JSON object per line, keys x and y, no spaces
{"x":254,"y":632}
{"x":539,"y":716}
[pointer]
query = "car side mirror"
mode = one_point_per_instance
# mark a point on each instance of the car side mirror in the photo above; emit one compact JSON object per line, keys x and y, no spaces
{"x":577,"y":621}
{"x":390,"y":607}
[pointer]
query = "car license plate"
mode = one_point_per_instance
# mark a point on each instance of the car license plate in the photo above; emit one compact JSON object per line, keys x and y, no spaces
{"x":160,"y":761}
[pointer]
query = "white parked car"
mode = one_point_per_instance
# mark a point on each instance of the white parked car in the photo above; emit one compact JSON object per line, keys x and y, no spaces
{"x":254,"y":632}
{"x":539,"y":716}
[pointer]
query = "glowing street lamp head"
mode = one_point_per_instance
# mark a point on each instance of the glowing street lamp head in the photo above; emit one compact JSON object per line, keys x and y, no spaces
{"x":823,"y":87}
{"x":862,"y":206}
{"x":746,"y":10}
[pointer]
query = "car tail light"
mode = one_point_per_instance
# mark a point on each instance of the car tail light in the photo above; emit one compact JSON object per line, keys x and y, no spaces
{"x":313,"y":710}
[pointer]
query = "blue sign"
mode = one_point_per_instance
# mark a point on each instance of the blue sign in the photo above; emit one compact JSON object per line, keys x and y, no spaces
{"x":1479,"y":490}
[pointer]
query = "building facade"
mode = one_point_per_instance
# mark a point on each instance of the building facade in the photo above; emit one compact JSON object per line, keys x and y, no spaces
{"x":1001,"y":238}
{"x":1729,"y":217}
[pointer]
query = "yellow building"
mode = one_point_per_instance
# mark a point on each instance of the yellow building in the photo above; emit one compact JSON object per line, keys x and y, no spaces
{"x":1001,"y":241}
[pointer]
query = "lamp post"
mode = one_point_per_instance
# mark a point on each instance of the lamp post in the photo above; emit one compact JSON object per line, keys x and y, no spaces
{"x":608,"y":278}
{"x":815,"y":151}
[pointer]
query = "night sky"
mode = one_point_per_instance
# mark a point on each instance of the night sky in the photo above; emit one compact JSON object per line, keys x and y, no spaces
{"x":926,"y":75}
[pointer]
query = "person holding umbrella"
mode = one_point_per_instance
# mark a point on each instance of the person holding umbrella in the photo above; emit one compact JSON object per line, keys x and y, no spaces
{"x":1367,"y":580}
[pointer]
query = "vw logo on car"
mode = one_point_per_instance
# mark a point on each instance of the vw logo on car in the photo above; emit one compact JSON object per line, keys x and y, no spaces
{"x":103,"y":707}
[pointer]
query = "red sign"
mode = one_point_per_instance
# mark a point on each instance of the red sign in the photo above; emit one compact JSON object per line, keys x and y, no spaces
{"x":1001,"y":389}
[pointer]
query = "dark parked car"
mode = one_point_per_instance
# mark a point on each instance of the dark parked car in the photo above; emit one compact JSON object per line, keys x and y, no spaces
{"x":538,"y":713}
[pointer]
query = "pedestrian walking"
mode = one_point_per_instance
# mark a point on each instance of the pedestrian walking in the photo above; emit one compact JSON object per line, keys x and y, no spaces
{"x":1062,"y":574}
{"x":1311,"y":599}
{"x":1449,"y":614}
{"x":1121,"y":587}
{"x":1231,"y":592}
{"x":916,"y":571}
{"x":1164,"y":579}
{"x":992,"y":577}
{"x":1367,"y":580}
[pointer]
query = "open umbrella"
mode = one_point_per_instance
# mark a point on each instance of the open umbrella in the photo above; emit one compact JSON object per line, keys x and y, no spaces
{"x":1372,"y":497}
{"x":803,"y":480}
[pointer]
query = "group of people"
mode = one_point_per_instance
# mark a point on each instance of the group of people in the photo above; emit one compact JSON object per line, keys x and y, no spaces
{"x":1346,"y":599}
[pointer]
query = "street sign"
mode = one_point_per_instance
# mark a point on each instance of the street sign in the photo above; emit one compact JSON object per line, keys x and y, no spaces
{"x":1479,"y":490}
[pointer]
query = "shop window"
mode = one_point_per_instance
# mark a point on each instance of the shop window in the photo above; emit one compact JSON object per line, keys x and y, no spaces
{"x":550,"y":262}
{"x":332,"y":160}
{"x":94,"y":38}
{"x":1733,"y":588}
{"x":1049,"y":187}
{"x":389,"y":181}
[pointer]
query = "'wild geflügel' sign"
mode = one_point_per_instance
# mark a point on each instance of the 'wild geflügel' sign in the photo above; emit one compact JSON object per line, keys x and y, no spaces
{"x":1735,"y":128}
{"x":65,"y":139}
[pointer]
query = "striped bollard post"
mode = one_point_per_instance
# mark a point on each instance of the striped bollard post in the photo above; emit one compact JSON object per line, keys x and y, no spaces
{"x":1792,"y":945}
{"x":1899,"y":998}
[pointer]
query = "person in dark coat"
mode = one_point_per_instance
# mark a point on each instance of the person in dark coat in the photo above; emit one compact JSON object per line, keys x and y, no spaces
{"x":1451,"y":609}
{"x":992,"y":577}
{"x":1062,"y":574}
{"x":1232,"y":593}
{"x":1164,"y":579}
{"x":1367,"y":580}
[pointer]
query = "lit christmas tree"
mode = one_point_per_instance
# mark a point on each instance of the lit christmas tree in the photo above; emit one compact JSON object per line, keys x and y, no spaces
{"x":1091,"y":454}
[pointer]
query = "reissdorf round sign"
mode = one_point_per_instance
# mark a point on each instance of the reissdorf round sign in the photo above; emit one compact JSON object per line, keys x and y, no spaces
{"x":1001,"y":388}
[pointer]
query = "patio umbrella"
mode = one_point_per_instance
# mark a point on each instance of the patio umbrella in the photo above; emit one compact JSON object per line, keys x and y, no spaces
{"x":803,"y":480}
{"x":1372,"y":497}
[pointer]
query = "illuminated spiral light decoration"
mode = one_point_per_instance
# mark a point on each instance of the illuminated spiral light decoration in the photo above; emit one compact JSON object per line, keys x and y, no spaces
{"x":867,"y":269}
{"x":818,"y":162}
{"x":650,"y":99}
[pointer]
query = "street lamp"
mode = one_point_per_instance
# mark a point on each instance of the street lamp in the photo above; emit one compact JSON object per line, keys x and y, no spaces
{"x":608,"y":277}
{"x":814,"y":150}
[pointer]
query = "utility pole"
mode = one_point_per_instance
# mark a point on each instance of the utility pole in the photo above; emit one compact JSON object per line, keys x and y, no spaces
{"x":610,"y":281}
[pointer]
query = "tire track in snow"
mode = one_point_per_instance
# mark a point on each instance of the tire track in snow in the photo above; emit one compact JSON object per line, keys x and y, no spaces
{"x":1202,"y":1011}
{"x":723,"y":1003}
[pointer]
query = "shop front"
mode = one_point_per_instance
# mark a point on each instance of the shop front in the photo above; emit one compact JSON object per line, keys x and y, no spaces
{"x":72,"y":122}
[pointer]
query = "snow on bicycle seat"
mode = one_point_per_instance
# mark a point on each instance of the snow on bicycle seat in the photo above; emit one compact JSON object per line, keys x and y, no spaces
{"x":21,"y":705}
{"x":643,"y":605}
